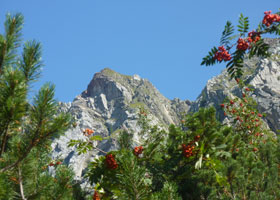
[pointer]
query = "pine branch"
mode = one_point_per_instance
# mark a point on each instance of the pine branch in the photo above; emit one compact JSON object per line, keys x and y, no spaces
{"x":25,"y":154}
{"x":45,"y":125}
{"x":12,"y":100}
{"x":4,"y":139}
{"x":35,"y":142}
{"x":3,"y":47}
{"x":31,"y":60}
{"x":11,"y":40}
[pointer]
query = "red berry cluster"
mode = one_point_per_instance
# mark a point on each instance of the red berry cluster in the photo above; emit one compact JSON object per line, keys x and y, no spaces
{"x":57,"y":163}
{"x":96,"y":196}
{"x":242,"y":44}
{"x":222,"y":54}
{"x":270,"y":18}
{"x":138,"y":150}
{"x":253,"y":36}
{"x":88,"y":132}
{"x":111,"y":162}
{"x":246,"y":120}
{"x":188,"y":149}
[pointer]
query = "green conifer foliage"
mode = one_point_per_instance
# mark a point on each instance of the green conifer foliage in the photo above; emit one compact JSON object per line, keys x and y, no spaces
{"x":27,"y":129}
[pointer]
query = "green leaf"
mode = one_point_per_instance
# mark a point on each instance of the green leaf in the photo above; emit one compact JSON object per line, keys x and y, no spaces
{"x":259,"y":49}
{"x":226,"y":35}
{"x":209,"y":59}
{"x":96,"y":138}
{"x":221,"y":146}
{"x":234,"y":67}
{"x":223,"y":154}
{"x":72,"y":143}
{"x":243,"y":25}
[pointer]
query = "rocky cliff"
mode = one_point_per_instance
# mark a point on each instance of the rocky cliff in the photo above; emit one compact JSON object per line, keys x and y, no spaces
{"x":262,"y":74}
{"x":111,"y":103}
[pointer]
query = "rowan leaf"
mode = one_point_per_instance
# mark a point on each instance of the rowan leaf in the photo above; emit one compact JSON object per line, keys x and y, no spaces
{"x":209,"y":59}
{"x":227,"y":35}
{"x":243,"y":25}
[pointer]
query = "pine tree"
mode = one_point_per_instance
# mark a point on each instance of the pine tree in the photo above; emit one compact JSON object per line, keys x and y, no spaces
{"x":27,"y":129}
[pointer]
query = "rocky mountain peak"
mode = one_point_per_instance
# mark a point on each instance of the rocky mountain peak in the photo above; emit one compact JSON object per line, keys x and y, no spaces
{"x":112,"y":100}
{"x":111,"y":103}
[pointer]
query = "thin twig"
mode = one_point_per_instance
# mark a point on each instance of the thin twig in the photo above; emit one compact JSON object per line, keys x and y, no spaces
{"x":20,"y":184}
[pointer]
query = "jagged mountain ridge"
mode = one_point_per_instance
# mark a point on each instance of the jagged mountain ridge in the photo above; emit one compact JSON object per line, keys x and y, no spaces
{"x":111,"y":103}
{"x":112,"y":100}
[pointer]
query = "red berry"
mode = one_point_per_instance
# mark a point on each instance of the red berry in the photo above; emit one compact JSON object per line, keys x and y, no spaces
{"x":222,"y":105}
{"x":253,"y":36}
{"x":270,"y":18}
{"x":222,"y":54}
{"x":260,"y":115}
{"x":242,"y":44}
{"x":138,"y":150}
{"x":188,"y":149}
{"x":231,"y":102}
{"x":196,"y":138}
{"x":111,"y":162}
{"x":96,"y":196}
{"x":88,"y":132}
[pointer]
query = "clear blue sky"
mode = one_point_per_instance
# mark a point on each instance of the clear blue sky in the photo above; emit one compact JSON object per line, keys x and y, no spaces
{"x":161,"y":40}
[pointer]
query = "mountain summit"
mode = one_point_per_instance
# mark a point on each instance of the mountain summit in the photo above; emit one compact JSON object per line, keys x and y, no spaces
{"x":112,"y":101}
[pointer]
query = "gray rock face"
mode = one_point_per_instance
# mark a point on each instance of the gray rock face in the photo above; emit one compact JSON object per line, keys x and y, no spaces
{"x":111,"y":103}
{"x":262,"y":74}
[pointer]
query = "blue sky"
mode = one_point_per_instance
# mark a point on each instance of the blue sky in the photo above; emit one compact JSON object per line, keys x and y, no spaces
{"x":163,"y":41}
